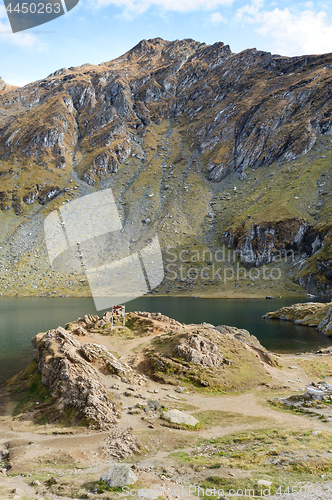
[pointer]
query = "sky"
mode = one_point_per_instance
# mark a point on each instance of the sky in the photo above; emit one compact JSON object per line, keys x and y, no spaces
{"x":96,"y":31}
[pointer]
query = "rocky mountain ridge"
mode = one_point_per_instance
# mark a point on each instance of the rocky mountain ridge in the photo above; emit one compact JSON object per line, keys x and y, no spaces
{"x":5,"y":87}
{"x":170,"y":125}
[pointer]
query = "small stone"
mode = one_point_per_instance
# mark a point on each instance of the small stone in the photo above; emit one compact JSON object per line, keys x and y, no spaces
{"x":18,"y":491}
{"x":172,"y":396}
{"x":263,"y":482}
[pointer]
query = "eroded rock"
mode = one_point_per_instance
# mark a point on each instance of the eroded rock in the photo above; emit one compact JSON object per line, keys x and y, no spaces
{"x":66,"y":368}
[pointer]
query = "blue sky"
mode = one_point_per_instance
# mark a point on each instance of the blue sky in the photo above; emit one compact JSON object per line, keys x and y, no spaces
{"x":100,"y":30}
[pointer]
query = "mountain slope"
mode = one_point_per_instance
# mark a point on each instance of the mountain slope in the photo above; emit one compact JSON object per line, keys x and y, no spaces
{"x":222,"y":141}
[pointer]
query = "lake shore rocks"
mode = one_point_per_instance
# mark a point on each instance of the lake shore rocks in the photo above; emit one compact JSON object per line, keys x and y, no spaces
{"x":314,"y":314}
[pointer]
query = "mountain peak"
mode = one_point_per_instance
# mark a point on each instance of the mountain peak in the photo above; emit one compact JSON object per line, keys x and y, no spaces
{"x":5,"y":87}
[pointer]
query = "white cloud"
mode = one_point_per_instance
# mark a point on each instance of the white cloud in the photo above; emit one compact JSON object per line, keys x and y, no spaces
{"x":25,"y":40}
{"x":169,"y":5}
{"x":305,"y":32}
{"x":289,"y":32}
{"x":17,"y":82}
{"x":3,"y":13}
{"x":217,"y":18}
{"x":249,"y":13}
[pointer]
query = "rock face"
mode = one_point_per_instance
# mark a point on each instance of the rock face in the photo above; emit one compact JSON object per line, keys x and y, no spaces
{"x":314,"y":314}
{"x":180,"y":418}
{"x":67,"y":370}
{"x":270,"y":242}
{"x":238,"y":110}
{"x":200,"y":350}
{"x":325,"y":325}
{"x":119,"y":475}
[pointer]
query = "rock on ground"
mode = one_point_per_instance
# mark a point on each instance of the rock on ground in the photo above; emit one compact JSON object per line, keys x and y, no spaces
{"x":178,"y":417}
{"x":119,"y":475}
{"x":121,"y":444}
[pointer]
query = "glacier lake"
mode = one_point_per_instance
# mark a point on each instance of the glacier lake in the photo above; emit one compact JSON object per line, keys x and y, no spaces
{"x":22,"y":318}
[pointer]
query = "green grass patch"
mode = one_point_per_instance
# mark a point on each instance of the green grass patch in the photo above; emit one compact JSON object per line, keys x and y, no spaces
{"x":28,"y":390}
{"x":225,"y":418}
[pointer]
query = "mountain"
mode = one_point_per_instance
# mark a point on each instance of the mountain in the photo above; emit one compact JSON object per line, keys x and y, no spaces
{"x":5,"y":87}
{"x":212,"y":149}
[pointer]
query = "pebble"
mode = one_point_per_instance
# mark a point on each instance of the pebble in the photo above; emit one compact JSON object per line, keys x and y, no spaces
{"x":263,"y":482}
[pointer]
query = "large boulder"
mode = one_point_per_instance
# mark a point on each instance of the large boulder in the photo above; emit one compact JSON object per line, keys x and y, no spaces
{"x":180,"y":418}
{"x":118,"y":475}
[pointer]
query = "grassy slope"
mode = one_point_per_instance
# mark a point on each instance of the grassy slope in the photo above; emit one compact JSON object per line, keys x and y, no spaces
{"x":180,"y":215}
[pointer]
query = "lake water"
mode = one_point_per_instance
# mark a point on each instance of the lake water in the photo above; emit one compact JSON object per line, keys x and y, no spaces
{"x":22,"y":318}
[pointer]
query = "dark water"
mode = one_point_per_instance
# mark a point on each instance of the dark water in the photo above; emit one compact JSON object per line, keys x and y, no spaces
{"x":22,"y":318}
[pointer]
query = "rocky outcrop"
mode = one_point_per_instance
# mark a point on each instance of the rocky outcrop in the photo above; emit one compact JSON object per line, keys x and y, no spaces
{"x":5,"y":200}
{"x":317,"y":278}
{"x":314,"y":402}
{"x":315,"y":314}
{"x":200,"y":350}
{"x":325,"y":325}
{"x":69,"y":370}
{"x":325,"y":266}
{"x":272,"y":241}
{"x":48,"y":194}
{"x":205,"y":356}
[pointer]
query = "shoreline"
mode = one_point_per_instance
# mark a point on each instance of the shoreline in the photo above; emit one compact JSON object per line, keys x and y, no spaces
{"x":163,"y":295}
